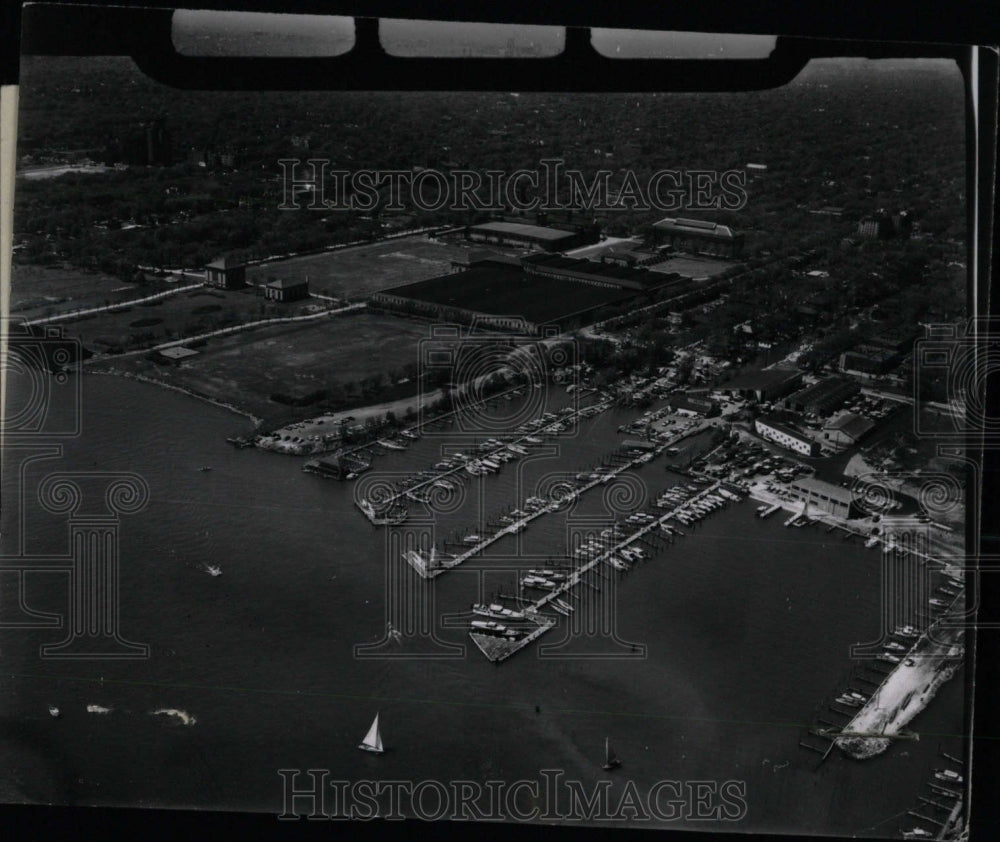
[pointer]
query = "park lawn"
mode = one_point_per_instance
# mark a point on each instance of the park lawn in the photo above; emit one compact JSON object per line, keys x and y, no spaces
{"x":245,"y":368}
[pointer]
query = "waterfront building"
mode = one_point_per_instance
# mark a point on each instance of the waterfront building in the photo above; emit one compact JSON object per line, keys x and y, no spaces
{"x":830,"y":498}
{"x":775,"y":428}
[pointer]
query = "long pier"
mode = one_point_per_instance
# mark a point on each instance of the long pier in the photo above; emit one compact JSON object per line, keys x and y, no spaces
{"x":541,"y":430}
{"x":575,"y":577}
{"x":499,"y":649}
{"x":428,"y":572}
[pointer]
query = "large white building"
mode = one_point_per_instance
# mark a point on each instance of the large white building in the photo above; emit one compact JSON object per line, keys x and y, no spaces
{"x":774,"y":430}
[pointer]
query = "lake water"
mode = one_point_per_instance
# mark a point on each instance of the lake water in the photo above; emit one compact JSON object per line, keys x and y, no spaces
{"x":746,"y":628}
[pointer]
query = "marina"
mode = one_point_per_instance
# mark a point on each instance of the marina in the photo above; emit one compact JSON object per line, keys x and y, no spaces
{"x":431,"y":566}
{"x":498,"y":648}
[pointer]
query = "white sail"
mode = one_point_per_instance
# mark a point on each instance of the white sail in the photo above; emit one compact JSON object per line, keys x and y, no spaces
{"x":373,"y":739}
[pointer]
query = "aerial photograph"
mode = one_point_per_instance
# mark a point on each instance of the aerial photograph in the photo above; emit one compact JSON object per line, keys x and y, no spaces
{"x":573,"y":458}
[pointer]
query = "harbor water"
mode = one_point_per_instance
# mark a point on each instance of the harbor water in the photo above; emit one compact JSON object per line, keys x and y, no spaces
{"x":726,"y":643}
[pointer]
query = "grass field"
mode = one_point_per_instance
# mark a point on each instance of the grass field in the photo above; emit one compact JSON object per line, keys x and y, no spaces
{"x":40,"y":291}
{"x":361,"y":270}
{"x":507,"y":291}
{"x":246,"y":368}
{"x":185,"y":314}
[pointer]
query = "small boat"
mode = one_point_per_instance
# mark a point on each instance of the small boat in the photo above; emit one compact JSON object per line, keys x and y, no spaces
{"x":205,"y":468}
{"x":213,"y":570}
{"x":373,"y":739}
{"x":54,"y":712}
{"x":611,"y":760}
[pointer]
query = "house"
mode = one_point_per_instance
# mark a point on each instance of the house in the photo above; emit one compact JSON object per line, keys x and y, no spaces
{"x":226,"y":273}
{"x":286,"y":289}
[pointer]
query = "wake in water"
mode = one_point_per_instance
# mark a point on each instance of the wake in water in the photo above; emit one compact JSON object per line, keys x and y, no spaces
{"x":180,"y":716}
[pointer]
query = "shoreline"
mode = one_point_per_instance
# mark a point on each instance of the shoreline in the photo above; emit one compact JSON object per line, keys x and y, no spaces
{"x":114,"y":372}
{"x":910,"y":687}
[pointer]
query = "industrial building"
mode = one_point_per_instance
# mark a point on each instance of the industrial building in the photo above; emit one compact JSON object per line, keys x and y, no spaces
{"x":830,"y":498}
{"x":226,"y":273}
{"x":696,"y":236}
{"x":822,"y":397}
{"x":522,"y":235}
{"x":775,"y":428}
{"x":847,"y":429}
{"x":693,"y":404}
{"x":765,"y":385}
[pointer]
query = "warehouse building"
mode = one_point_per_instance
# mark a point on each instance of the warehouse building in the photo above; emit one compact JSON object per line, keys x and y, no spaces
{"x":822,"y":397}
{"x":764,"y":386}
{"x":775,"y":428}
{"x":847,"y":429}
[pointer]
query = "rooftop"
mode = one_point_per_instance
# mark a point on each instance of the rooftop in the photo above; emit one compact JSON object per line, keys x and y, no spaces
{"x":781,"y":421}
{"x":700,"y":227}
{"x":287,"y":283}
{"x":763,"y":379}
{"x":827,"y":389}
{"x":520,"y":229}
{"x":178,"y":352}
{"x":225,"y":262}
{"x":851,"y":424}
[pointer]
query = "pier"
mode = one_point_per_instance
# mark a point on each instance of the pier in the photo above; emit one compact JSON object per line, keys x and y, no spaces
{"x":428,"y":571}
{"x":498,"y":649}
{"x":456,"y":472}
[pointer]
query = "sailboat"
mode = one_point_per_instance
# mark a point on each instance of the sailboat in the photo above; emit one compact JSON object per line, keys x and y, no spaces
{"x":373,"y":739}
{"x":611,"y":760}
